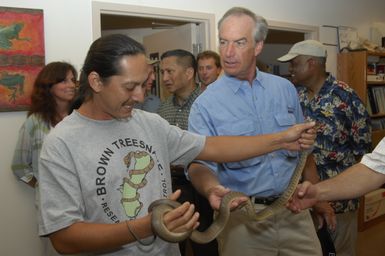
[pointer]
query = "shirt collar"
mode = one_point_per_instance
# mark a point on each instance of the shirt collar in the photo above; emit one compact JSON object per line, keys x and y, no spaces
{"x":327,"y":86}
{"x":235,"y":84}
{"x":189,"y":99}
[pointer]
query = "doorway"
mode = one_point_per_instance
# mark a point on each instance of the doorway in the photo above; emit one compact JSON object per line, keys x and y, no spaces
{"x":141,"y":22}
{"x":157,"y":29}
{"x":280,"y":39}
{"x":149,"y":20}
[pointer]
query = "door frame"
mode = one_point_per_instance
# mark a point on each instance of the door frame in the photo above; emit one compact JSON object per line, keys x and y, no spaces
{"x":310,"y":32}
{"x":207,"y":19}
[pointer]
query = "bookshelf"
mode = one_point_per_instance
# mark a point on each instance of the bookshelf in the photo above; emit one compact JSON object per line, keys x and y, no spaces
{"x":352,"y":68}
{"x":355,"y":68}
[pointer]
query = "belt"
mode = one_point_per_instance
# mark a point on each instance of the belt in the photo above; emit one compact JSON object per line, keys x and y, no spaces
{"x":264,"y":200}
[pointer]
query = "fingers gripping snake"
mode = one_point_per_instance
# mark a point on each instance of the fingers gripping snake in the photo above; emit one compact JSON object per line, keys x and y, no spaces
{"x":162,"y":206}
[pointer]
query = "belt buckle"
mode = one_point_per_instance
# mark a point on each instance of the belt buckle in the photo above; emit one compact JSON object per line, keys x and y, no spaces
{"x":264,"y":200}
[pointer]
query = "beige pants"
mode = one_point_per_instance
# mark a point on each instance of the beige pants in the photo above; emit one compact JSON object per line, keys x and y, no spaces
{"x":283,"y":234}
{"x":345,"y":236}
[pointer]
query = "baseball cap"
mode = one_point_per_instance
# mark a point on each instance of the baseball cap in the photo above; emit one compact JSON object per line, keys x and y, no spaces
{"x":307,"y":47}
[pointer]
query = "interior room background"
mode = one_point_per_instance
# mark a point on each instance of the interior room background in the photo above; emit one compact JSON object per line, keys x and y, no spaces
{"x":68,"y":35}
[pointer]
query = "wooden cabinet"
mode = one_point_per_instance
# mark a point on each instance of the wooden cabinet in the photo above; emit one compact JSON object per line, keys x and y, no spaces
{"x":352,"y":68}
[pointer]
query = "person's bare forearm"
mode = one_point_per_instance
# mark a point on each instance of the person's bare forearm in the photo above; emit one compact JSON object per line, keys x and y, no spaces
{"x":230,"y":149}
{"x":236,"y":148}
{"x":202,"y":178}
{"x":310,"y":171}
{"x":354,"y":182}
{"x":92,"y":237}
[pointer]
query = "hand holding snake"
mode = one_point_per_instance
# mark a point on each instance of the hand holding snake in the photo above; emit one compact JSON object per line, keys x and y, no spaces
{"x":160,"y":208}
{"x":182,"y":217}
{"x":216,"y":195}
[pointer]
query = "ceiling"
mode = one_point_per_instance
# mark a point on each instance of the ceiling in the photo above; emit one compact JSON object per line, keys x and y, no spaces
{"x":111,"y":22}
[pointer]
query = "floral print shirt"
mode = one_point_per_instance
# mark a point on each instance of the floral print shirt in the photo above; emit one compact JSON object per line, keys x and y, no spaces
{"x":344,"y":131}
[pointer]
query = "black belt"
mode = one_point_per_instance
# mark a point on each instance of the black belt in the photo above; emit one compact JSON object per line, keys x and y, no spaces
{"x":264,"y":200}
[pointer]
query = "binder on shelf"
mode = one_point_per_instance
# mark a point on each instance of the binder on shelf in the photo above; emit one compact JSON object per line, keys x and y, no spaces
{"x":368,"y":105}
{"x":381,"y":91}
{"x":372,"y":101}
{"x":376,"y":124}
{"x":379,"y":97}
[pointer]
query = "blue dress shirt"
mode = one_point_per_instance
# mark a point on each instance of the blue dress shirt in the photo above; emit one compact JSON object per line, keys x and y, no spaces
{"x":233,"y":107}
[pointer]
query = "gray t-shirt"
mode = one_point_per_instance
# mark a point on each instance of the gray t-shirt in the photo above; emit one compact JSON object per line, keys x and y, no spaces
{"x":110,"y":171}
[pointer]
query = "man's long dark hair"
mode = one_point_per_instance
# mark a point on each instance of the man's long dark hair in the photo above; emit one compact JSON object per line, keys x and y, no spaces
{"x":104,"y":57}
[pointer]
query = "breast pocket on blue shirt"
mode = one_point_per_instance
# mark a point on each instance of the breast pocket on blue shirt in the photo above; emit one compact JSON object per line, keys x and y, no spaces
{"x":240,"y":128}
{"x":284,"y":121}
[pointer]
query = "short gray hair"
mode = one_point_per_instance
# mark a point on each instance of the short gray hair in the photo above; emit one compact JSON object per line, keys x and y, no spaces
{"x":261,"y":26}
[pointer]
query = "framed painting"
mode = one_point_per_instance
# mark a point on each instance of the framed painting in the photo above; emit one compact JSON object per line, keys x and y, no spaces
{"x":21,"y":55}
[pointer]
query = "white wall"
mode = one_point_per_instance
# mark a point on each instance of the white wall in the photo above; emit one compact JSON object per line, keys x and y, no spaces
{"x":68,"y":34}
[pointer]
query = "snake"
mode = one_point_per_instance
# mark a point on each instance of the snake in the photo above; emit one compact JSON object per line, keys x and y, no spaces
{"x":160,"y":207}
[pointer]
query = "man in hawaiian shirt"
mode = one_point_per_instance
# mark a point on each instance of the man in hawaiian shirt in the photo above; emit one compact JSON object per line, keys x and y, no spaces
{"x":344,"y":133}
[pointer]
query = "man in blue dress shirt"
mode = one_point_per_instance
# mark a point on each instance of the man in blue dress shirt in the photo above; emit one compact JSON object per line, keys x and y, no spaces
{"x":246,"y":101}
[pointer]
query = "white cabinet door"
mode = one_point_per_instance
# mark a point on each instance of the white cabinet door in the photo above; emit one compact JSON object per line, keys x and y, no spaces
{"x":185,"y":37}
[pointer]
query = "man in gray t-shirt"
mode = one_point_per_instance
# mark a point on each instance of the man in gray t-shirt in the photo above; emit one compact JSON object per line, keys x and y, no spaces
{"x":113,"y":169}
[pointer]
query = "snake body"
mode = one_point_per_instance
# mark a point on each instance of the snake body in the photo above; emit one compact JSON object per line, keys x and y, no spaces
{"x":162,"y":206}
